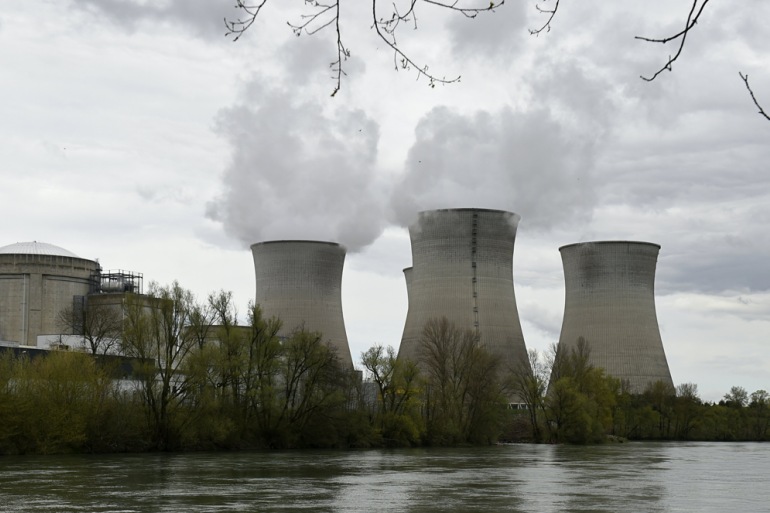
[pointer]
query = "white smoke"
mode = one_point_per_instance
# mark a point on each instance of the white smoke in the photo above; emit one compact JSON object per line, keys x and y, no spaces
{"x":297,"y":173}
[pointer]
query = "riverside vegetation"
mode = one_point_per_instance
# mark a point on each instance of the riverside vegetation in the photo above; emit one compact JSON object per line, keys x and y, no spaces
{"x":203,"y":382}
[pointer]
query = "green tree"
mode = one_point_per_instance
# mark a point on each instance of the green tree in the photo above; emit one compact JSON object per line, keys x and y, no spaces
{"x":398,"y":395}
{"x":160,"y":331}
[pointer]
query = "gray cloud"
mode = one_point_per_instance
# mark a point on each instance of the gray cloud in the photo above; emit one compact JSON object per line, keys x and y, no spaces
{"x":203,"y":17}
{"x":494,"y":35}
{"x":298,"y":173}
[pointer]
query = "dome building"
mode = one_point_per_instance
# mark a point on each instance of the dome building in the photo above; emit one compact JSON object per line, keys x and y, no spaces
{"x":37,"y":281}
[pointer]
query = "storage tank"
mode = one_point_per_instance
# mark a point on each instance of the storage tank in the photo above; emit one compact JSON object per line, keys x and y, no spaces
{"x":610,"y":302}
{"x":462,"y":268}
{"x":300,"y":282}
{"x":37,"y":281}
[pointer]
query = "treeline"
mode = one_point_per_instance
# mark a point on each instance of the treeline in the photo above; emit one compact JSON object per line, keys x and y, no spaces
{"x":201,"y":381}
{"x":571,"y":401}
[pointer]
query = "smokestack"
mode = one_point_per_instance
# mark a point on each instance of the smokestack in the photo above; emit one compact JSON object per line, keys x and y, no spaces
{"x":300,"y":282}
{"x":462,"y":268}
{"x":610,"y":302}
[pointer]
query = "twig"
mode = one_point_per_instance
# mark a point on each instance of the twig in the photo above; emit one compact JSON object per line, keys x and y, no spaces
{"x":240,"y":26}
{"x":469,"y":12}
{"x":691,"y":22}
{"x":746,"y":81}
{"x":547,"y":26}
{"x":389,"y":26}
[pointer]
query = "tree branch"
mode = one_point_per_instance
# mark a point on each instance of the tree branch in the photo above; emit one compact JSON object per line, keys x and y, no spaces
{"x":547,"y":26}
{"x":385,"y":28}
{"x":691,"y":22}
{"x":240,"y":26}
{"x":754,"y":98}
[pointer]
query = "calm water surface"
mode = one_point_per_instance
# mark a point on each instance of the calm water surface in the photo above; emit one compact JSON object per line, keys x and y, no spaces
{"x":630,"y":477}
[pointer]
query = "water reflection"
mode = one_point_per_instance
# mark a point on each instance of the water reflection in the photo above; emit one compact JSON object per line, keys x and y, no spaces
{"x":633,"y":477}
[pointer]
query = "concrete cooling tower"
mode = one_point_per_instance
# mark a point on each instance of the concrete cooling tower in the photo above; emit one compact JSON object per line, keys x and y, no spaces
{"x":462,"y":268}
{"x":610,"y":301}
{"x":300,"y":282}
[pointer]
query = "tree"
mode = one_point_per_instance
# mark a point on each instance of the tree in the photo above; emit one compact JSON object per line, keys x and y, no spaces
{"x":530,"y":382}
{"x":760,"y":413}
{"x":159,"y":330}
{"x":464,"y":396}
{"x":398,"y":388}
{"x":738,"y":396}
{"x":98,"y":323}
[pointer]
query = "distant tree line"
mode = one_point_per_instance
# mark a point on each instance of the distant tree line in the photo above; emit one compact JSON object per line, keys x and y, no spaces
{"x":202,"y":381}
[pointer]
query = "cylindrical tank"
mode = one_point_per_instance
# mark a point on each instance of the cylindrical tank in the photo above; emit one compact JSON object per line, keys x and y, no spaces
{"x":37,"y":281}
{"x":462,"y":268}
{"x":300,"y":282}
{"x":610,"y":302}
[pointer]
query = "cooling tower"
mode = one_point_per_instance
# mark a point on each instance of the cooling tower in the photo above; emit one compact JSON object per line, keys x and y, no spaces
{"x":300,"y":282}
{"x":610,"y":302}
{"x":462,"y":268}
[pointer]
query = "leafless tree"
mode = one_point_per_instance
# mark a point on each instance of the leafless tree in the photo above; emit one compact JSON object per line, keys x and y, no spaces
{"x":99,"y":324}
{"x":327,"y":14}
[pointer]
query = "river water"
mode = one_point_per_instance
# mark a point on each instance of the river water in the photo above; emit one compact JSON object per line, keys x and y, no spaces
{"x":633,"y":477}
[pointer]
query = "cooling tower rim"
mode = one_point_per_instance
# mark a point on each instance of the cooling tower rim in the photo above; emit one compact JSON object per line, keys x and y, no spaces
{"x":609,"y":242}
{"x":407,"y":269}
{"x":466,"y":210}
{"x":295,"y":241}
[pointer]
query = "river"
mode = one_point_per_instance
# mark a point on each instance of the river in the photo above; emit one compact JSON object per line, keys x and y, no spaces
{"x":634,"y":477}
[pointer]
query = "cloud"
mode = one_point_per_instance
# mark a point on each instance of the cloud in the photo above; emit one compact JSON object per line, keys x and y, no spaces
{"x":204,"y":18}
{"x":297,"y":172}
{"x":494,"y":35}
{"x":528,"y":163}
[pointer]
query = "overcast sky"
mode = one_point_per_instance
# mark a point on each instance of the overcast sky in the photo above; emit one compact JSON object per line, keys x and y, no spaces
{"x":133,"y":131}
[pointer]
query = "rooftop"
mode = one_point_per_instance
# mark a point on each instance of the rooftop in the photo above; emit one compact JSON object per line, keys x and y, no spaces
{"x":36,"y":248}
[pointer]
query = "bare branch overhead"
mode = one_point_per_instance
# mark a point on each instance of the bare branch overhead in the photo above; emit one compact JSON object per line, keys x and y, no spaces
{"x":754,"y":98}
{"x":691,"y":22}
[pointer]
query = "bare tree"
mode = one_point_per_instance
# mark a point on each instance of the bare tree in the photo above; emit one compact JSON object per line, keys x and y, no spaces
{"x":99,"y":324}
{"x":327,"y":14}
{"x":530,"y":382}
{"x":464,"y":390}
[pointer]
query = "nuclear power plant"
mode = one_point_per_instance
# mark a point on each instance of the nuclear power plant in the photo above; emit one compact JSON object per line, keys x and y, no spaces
{"x":39,"y":280}
{"x":610,"y":302}
{"x":300,"y":282}
{"x":462,"y":268}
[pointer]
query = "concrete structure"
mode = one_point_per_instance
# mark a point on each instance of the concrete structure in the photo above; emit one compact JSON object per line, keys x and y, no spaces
{"x":462,"y":268}
{"x":610,"y":301}
{"x":37,"y":281}
{"x":300,"y":282}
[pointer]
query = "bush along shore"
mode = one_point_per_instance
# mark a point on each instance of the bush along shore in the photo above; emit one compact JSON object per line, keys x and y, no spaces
{"x":200,"y":381}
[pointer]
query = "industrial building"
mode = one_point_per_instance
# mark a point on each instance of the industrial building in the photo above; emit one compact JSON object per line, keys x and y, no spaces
{"x":300,"y":282}
{"x":462,"y":269}
{"x":610,"y":302}
{"x":39,"y":280}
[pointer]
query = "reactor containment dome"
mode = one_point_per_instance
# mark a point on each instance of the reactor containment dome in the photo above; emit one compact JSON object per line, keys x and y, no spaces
{"x":610,"y":302}
{"x":37,"y":281}
{"x":300,"y":282}
{"x":462,"y":269}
